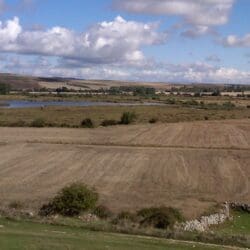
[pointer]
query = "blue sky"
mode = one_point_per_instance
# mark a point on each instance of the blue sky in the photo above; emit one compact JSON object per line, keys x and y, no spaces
{"x":151,"y":40}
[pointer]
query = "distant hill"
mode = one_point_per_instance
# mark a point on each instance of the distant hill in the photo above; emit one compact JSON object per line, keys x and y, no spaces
{"x":19,"y":82}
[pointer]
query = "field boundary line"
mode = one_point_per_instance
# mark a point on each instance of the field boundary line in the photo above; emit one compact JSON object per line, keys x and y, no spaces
{"x":138,"y":146}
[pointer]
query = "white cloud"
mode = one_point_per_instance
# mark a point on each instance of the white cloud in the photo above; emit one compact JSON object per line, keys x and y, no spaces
{"x":197,"y":12}
{"x":164,"y":72}
{"x":200,"y":14}
{"x":235,"y":41}
{"x":105,"y":42}
{"x":9,"y":32}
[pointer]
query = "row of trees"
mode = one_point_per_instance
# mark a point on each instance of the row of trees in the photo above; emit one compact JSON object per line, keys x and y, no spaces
{"x":136,"y":90}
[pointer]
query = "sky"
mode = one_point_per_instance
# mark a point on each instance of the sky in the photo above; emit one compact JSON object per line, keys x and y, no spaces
{"x":186,"y":41}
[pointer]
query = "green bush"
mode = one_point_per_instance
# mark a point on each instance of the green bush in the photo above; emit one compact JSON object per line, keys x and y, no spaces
{"x":128,"y":118}
{"x":87,"y":123}
{"x":4,"y":89}
{"x":71,"y":201}
{"x":162,"y":218}
{"x":102,"y":212}
{"x":107,"y":123}
{"x":38,"y":123}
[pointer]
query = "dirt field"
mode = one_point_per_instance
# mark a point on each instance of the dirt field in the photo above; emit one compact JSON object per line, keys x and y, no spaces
{"x":187,"y":165}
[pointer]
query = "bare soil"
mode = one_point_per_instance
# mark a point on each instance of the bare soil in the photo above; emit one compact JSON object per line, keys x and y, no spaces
{"x":190,"y":166}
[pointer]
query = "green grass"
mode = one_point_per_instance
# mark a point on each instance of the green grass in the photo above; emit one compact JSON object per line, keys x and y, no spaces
{"x":240,"y":224}
{"x":20,"y":235}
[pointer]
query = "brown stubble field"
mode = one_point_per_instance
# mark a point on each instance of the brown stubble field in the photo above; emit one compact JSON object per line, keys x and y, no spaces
{"x":189,"y":165}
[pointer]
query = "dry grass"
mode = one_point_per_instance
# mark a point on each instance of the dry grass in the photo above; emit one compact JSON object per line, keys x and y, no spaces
{"x":72,"y":116}
{"x":186,"y":165}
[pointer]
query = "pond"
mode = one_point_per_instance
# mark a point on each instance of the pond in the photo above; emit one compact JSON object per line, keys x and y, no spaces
{"x":38,"y":104}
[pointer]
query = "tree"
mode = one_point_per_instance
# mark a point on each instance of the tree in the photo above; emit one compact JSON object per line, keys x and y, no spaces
{"x":4,"y":88}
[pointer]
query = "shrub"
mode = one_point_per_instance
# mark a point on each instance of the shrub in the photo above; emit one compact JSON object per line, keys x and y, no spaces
{"x":153,"y":120}
{"x":127,"y":118}
{"x":161,"y":218}
{"x":4,"y":88}
{"x":228,"y":105}
{"x":102,"y":212}
{"x":71,"y":201}
{"x":190,"y":103}
{"x":38,"y":123}
{"x":87,"y":123}
{"x":124,"y":217}
{"x":107,"y":123}
{"x":171,"y":101}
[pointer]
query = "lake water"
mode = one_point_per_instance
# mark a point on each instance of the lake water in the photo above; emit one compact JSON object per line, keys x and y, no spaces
{"x":36,"y":104}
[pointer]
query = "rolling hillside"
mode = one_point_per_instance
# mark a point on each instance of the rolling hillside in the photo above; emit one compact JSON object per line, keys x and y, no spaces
{"x":19,"y":82}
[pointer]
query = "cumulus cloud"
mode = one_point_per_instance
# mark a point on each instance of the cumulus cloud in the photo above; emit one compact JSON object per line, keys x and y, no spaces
{"x":196,"y":72}
{"x":235,"y":41}
{"x":105,"y":42}
{"x":200,"y":14}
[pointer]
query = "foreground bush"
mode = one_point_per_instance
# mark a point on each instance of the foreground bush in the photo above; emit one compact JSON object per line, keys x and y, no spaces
{"x":102,"y":212}
{"x":38,"y":123}
{"x":124,"y":218}
{"x":87,"y":123}
{"x":127,"y":118}
{"x":162,"y":218}
{"x":71,"y":201}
